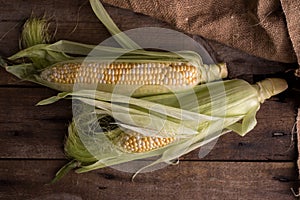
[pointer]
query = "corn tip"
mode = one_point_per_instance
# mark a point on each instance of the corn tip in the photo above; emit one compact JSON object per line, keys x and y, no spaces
{"x":270,"y":87}
{"x":223,"y":70}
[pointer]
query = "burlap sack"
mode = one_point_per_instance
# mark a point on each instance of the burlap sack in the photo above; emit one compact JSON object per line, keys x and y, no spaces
{"x":292,"y":13}
{"x":264,"y":28}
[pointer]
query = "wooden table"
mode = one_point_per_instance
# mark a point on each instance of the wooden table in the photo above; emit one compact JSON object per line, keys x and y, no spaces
{"x":261,"y":165}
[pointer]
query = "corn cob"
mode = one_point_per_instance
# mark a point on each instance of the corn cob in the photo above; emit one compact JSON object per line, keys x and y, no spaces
{"x":122,"y":73}
{"x":148,"y":72}
{"x":173,"y":75}
{"x":137,"y":143}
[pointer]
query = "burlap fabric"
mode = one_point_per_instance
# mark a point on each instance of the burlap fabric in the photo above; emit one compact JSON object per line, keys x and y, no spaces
{"x":265,"y":28}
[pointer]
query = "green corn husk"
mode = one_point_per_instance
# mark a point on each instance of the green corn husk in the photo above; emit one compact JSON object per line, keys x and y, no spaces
{"x":39,"y":56}
{"x":193,"y":117}
{"x":104,"y":17}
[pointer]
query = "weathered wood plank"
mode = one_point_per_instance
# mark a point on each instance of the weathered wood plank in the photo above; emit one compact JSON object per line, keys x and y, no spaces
{"x":189,"y":180}
{"x":61,"y":11}
{"x":39,"y":130}
{"x":33,"y":131}
{"x":80,"y":26}
{"x":18,"y":104}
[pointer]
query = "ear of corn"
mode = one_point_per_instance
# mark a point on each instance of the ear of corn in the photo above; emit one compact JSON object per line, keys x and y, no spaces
{"x":156,"y":72}
{"x":51,"y":64}
{"x":144,"y":77}
{"x":152,"y":73}
{"x":176,"y":119}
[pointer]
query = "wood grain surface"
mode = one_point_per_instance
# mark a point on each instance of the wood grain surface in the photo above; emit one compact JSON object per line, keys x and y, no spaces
{"x":29,"y":179}
{"x":261,"y":165}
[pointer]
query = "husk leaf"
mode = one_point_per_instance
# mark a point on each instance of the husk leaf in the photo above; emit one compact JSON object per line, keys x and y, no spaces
{"x":117,"y":34}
